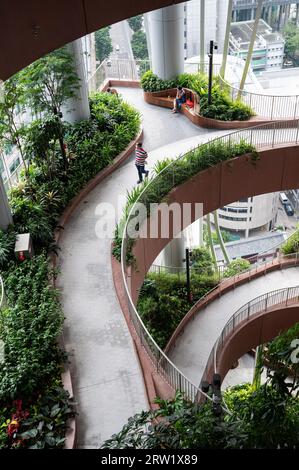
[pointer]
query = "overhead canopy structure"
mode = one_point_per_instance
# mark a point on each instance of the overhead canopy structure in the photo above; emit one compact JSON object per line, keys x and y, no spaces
{"x":30,"y":29}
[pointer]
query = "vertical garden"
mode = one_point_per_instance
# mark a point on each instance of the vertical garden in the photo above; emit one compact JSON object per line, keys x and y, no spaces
{"x":58,"y":159}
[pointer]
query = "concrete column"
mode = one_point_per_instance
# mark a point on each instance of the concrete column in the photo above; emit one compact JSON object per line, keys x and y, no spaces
{"x":252,"y":15}
{"x":280,"y":17}
{"x":234,"y":16}
{"x":269,"y":15}
{"x":77,"y":108}
{"x":166,"y":33}
{"x":5,"y":212}
{"x":174,"y":252}
{"x":287,"y":14}
{"x":93,"y":62}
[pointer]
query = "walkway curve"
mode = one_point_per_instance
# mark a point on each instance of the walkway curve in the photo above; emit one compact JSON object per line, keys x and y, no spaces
{"x":194,"y":345}
{"x":107,"y":380}
{"x":272,"y":138}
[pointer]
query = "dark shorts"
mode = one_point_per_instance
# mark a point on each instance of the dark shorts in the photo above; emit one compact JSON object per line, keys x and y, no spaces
{"x":180,"y":101}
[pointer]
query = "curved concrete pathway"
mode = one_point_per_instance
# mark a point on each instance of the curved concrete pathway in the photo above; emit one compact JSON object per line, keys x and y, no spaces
{"x":193,"y":347}
{"x":108,"y":384}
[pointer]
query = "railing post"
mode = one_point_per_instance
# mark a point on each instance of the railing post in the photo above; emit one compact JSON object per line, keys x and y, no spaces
{"x":296,"y":141}
{"x":273,"y":97}
{"x":266,"y":302}
{"x":274,"y":128}
{"x":287,"y":296}
{"x":295,"y":110}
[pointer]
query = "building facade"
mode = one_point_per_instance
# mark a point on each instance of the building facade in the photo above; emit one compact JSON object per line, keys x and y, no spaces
{"x":268,"y":51}
{"x":250,"y":215}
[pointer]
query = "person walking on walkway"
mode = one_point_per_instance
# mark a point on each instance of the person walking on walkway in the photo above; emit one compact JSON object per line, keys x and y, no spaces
{"x":140,"y":161}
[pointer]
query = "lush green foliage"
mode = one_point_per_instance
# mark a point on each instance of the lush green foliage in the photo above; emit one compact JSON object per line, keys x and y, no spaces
{"x":163,"y":301}
{"x":135,"y":22}
{"x":49,"y":81}
{"x":236,"y":266}
{"x":12,"y":129}
{"x":278,"y":351}
{"x":139,"y":45}
{"x":33,"y":408}
{"x":7,"y":244}
{"x":37,"y":424}
{"x":271,"y":417}
{"x":291,"y":245}
{"x":178,"y":424}
{"x":291,"y":35}
{"x":176,"y":172}
{"x":29,"y":327}
{"x":151,"y":82}
{"x":103,"y":44}
{"x":201,"y":261}
{"x":259,"y":419}
{"x":222,"y":107}
{"x":37,"y":203}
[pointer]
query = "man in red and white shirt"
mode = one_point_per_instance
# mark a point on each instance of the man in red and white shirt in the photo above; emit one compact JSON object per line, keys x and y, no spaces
{"x":140,"y":161}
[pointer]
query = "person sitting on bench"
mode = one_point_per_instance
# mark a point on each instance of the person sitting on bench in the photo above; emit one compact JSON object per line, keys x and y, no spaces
{"x":179,"y":100}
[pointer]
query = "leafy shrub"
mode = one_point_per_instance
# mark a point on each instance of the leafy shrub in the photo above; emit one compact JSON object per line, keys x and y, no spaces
{"x":37,"y":202}
{"x":278,"y":351}
{"x":7,"y":244}
{"x":222,"y":106}
{"x":32,"y":318}
{"x":37,"y":425}
{"x":291,"y":245}
{"x":150,"y":82}
{"x":163,"y":300}
{"x":260,"y":419}
{"x":202,"y":262}
{"x":236,"y":266}
{"x":272,"y":419}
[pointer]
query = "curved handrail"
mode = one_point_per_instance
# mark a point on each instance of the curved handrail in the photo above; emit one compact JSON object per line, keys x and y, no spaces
{"x":264,"y":136}
{"x":282,"y":262}
{"x":267,"y":106}
{"x":253,"y":260}
{"x":259,"y":304}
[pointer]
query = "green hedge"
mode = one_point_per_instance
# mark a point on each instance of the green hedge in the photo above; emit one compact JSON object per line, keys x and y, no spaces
{"x":262,"y":419}
{"x":163,"y":303}
{"x":222,"y":107}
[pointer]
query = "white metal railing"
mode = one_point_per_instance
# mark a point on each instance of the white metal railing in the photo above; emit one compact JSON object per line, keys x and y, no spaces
{"x":265,"y":136}
{"x":280,"y":297}
{"x":266,"y":106}
{"x":258,"y":260}
{"x":117,"y":69}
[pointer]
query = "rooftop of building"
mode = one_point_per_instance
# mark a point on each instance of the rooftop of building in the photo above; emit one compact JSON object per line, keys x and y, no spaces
{"x":242,"y":31}
{"x":250,"y":246}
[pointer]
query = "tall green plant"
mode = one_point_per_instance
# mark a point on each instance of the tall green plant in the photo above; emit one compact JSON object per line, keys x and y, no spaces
{"x":12,"y":104}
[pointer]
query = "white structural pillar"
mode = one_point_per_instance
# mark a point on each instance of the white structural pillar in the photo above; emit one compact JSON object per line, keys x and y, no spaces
{"x":77,"y":108}
{"x":174,"y":252}
{"x":166,"y":35}
{"x":5,"y":212}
